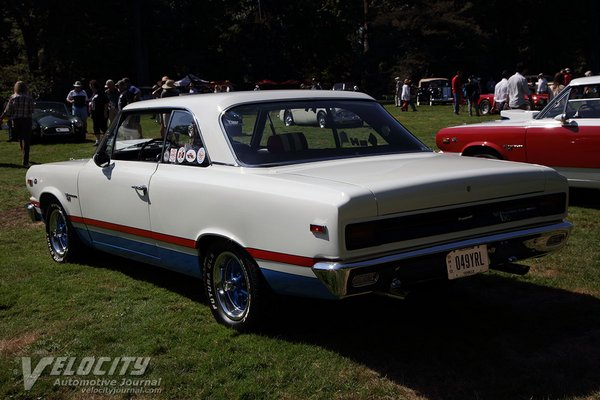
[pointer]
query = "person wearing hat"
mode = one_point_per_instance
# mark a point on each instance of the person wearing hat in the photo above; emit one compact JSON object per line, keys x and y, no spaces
{"x":541,"y":85}
{"x":398,"y":92}
{"x":168,"y":90}
{"x":78,"y":99}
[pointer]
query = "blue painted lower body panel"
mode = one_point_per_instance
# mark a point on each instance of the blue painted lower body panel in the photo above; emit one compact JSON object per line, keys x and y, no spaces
{"x":187,"y":261}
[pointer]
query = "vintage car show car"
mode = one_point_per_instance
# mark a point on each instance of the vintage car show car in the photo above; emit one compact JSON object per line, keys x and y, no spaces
{"x":434,"y":91}
{"x":256,"y":207}
{"x":565,"y":135}
{"x":51,"y":119}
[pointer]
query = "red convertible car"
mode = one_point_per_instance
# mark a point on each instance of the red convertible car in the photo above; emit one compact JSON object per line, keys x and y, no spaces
{"x":564,"y":135}
{"x":486,"y":102}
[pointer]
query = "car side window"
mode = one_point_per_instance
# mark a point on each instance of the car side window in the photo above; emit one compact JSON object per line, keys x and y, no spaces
{"x":183,"y":145}
{"x":584,"y":102}
{"x":136,"y":137}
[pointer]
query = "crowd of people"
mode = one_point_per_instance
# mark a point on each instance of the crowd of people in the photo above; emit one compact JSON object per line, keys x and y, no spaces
{"x":102,"y":104}
{"x":511,"y":92}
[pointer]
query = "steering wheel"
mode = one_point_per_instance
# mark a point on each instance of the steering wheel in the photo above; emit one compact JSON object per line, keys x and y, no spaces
{"x":146,"y":144}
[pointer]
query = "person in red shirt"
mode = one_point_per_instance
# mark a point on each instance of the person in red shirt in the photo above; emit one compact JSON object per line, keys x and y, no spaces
{"x":567,"y":75}
{"x":456,"y":90}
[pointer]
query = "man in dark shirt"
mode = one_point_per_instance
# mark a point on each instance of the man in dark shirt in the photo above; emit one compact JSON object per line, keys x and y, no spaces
{"x":19,"y":110}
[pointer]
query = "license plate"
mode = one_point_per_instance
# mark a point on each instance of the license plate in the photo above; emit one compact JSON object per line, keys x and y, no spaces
{"x":62,"y":129}
{"x":467,"y":262}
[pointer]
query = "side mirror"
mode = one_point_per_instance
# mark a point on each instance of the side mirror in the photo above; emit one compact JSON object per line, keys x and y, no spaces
{"x":102,"y":159}
{"x":565,"y":120}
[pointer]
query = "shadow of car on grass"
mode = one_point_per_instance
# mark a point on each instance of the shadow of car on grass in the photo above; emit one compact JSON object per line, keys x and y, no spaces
{"x":582,"y":197}
{"x":486,"y":337}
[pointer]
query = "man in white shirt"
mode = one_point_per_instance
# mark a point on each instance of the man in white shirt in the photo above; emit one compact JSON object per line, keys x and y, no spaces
{"x":517,"y":90}
{"x":501,"y":92}
{"x":542,"y":84}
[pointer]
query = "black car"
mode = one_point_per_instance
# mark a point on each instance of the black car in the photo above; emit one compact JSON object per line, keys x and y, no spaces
{"x":52,"y":119}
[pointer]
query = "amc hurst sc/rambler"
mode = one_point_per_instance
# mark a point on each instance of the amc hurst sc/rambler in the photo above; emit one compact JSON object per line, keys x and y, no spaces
{"x":230,"y":193}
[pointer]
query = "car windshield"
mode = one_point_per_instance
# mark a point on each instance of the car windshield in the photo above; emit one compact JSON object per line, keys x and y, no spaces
{"x":278,"y":133}
{"x":574,"y":102}
{"x":50,"y":107}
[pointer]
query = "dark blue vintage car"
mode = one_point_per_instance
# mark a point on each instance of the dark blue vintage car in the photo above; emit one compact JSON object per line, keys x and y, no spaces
{"x":52,"y":119}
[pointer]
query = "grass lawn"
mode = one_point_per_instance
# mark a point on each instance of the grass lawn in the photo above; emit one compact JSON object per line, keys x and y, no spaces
{"x":494,"y":336}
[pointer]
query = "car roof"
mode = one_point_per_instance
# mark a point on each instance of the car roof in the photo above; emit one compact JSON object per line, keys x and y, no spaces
{"x":425,"y":80}
{"x":588,"y":80}
{"x":208,"y":108}
{"x":225,"y":100}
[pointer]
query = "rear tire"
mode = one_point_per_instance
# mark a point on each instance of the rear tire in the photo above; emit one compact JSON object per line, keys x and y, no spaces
{"x":485,"y":107}
{"x":235,"y":289}
{"x":322,"y":119}
{"x":62,"y":240}
{"x":288,"y":119}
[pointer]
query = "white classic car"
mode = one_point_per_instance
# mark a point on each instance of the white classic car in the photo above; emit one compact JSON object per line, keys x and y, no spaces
{"x":254,"y":207}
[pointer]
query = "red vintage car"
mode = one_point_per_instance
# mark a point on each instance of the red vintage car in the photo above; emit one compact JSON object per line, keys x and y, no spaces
{"x":564,"y":135}
{"x":486,"y":102}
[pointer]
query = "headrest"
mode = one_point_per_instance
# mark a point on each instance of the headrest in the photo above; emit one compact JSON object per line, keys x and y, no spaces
{"x":287,"y":142}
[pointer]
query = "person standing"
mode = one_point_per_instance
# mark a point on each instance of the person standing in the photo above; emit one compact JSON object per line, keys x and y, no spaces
{"x":19,"y":110}
{"x":456,"y":91}
{"x":558,"y":84}
{"x":541,"y":85}
{"x":405,"y":95}
{"x":98,"y":110}
{"x":472,"y":93}
{"x":125,"y":96}
{"x":398,"y":92}
{"x":517,"y":90}
{"x":568,"y":76}
{"x":501,"y":92}
{"x":112,"y":95}
{"x":78,"y":99}
{"x":168,"y":90}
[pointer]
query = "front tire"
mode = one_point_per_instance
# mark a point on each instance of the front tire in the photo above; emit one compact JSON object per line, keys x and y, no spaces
{"x":234,"y":287}
{"x":62,"y":241}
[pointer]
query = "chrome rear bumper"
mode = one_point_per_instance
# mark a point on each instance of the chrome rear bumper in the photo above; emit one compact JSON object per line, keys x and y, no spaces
{"x":383,"y":273}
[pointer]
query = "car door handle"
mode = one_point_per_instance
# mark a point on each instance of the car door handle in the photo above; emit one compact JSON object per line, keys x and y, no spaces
{"x":143,"y":188}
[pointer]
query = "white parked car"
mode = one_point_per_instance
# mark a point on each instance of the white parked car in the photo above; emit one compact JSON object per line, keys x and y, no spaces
{"x":320,"y":116}
{"x":256,"y":207}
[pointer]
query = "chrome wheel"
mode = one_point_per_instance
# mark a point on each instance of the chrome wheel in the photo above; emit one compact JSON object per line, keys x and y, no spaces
{"x":58,"y":233}
{"x":322,"y":119}
{"x":231,"y":285}
{"x":288,"y":119}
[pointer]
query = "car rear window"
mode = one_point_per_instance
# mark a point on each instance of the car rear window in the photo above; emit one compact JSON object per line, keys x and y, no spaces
{"x":293,"y":132}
